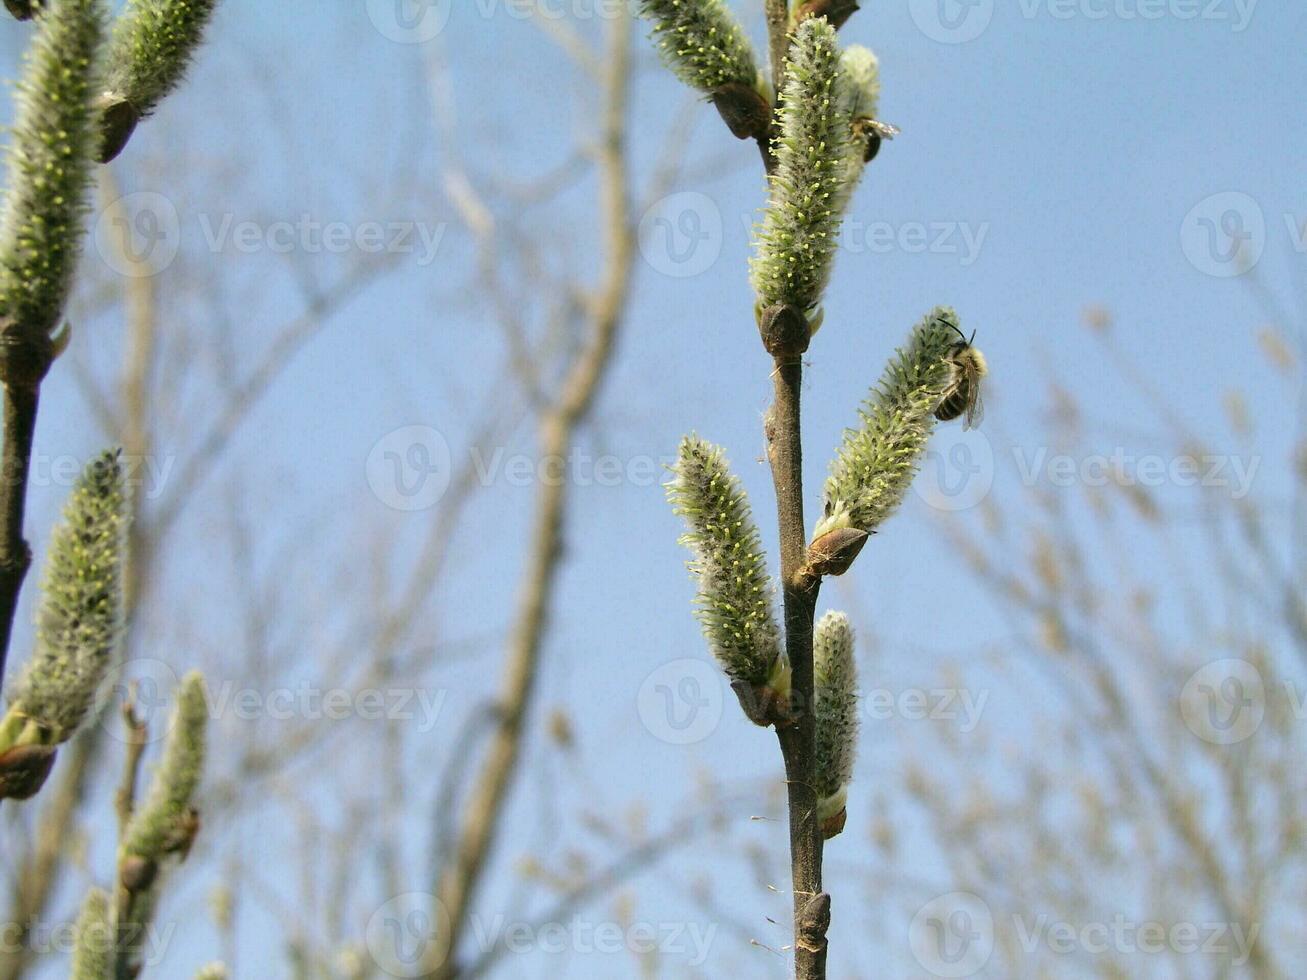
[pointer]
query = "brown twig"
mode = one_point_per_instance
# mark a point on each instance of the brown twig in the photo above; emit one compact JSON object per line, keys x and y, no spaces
{"x":20,"y":404}
{"x":799,"y":589}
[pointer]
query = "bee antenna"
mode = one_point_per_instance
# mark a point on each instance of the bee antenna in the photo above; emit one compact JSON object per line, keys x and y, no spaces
{"x":973,"y":337}
{"x":957,"y":331}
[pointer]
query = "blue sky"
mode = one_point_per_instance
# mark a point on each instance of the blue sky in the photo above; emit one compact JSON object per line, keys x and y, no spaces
{"x":1068,"y":154}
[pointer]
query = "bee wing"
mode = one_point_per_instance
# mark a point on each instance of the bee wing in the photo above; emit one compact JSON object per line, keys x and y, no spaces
{"x":884,"y":130}
{"x":975,"y":413}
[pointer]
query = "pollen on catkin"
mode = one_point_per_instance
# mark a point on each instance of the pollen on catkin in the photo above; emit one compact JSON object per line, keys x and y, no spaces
{"x":160,"y":826}
{"x":702,"y":43}
{"x":875,"y":464}
{"x":151,"y":47}
{"x":93,"y":939}
{"x":52,"y":148}
{"x":735,"y":592}
{"x":835,"y":679}
{"x":79,"y":618}
{"x":795,"y":243}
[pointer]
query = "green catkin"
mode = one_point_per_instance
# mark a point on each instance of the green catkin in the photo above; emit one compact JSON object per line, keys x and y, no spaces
{"x":79,"y":621}
{"x":151,"y":47}
{"x":796,"y":241}
{"x":702,"y":43}
{"x":52,"y":150}
{"x":875,"y":464}
{"x":735,"y":591}
{"x":835,"y":677}
{"x":158,"y":826}
{"x":859,"y":95}
{"x":859,"y":82}
{"x":93,"y":940}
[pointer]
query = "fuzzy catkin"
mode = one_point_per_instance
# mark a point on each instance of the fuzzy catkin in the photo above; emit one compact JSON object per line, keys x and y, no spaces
{"x":79,"y":621}
{"x":53,"y":145}
{"x":93,"y":939}
{"x":735,"y":591}
{"x":796,"y":241}
{"x":702,"y":43}
{"x":859,"y":82}
{"x":152,"y":45}
{"x":875,"y":464}
{"x":835,"y":679}
{"x":158,"y":825}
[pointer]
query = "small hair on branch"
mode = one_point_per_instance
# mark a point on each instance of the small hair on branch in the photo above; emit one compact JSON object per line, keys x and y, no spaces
{"x":151,"y":47}
{"x":79,"y":621}
{"x":875,"y":464}
{"x":52,"y":151}
{"x":796,"y":241}
{"x":735,"y":591}
{"x":835,"y":698}
{"x":707,"y":49}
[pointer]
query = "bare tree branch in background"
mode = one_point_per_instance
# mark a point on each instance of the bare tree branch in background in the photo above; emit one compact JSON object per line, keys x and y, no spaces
{"x":1168,"y":792}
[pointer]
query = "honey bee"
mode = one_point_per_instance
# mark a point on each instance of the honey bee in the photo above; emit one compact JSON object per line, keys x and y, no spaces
{"x":962,"y":394}
{"x":873,"y":131}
